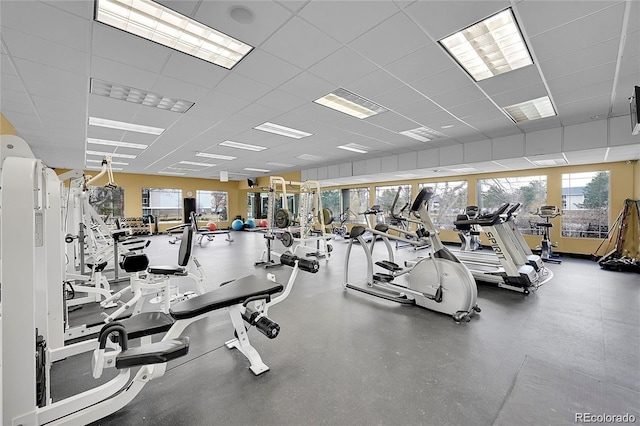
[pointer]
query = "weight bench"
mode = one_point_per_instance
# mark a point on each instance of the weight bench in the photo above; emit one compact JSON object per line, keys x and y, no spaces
{"x":203,"y":235}
{"x":234,"y":297}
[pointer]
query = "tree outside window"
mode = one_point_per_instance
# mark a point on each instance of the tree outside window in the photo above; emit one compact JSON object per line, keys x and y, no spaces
{"x":585,"y":204}
{"x":212,"y":206}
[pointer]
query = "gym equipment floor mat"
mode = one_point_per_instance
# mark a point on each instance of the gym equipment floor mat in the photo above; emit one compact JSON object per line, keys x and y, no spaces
{"x":563,"y":397}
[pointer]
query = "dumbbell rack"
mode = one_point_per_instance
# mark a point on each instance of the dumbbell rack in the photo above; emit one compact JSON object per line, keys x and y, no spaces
{"x":137,"y":225}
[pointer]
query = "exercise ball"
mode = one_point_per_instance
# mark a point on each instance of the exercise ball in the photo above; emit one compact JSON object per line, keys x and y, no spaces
{"x":236,"y":225}
{"x":264,"y":223}
{"x":250,"y":223}
{"x":212,"y":226}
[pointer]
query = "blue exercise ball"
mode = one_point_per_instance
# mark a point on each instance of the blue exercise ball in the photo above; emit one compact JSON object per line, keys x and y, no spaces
{"x":250,"y":223}
{"x":236,"y":225}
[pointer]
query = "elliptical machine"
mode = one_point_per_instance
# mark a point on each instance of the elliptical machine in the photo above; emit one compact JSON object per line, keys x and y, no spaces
{"x":469,"y":234}
{"x":546,"y":246}
{"x":438,"y":282}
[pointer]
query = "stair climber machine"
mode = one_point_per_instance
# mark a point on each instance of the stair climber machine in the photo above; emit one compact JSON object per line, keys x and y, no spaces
{"x":438,"y":282}
{"x":508,"y":265}
{"x":31,"y":272}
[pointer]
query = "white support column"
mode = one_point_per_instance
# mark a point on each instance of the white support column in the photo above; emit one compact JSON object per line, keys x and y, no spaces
{"x":19,"y":238}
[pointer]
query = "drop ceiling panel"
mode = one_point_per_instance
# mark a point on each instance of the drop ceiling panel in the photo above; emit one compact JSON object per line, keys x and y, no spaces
{"x":342,"y":67}
{"x":344,"y":20}
{"x":416,"y":110}
{"x":108,"y":43}
{"x":585,"y":92}
{"x":179,"y":89}
{"x":582,"y":111}
{"x":514,"y":163}
{"x":242,"y":87}
{"x":52,"y":82}
{"x":586,"y":156}
{"x":459,"y":96}
{"x":80,"y":8}
{"x":446,"y":81}
{"x":624,"y":153}
{"x":477,"y":111}
{"x":510,"y":81}
{"x":281,"y":101}
{"x":398,"y":98}
{"x":391,"y":40}
{"x":112,"y":109}
{"x":521,"y":94}
{"x":374,"y":84}
{"x":452,"y":154}
{"x":35,"y":18}
{"x":584,"y":78}
{"x":391,"y":121}
{"x":623,"y":92}
{"x":292,"y":43}
{"x":575,"y":61}
{"x":428,"y":158}
{"x":620,"y":132}
{"x":581,"y":33}
{"x":14,"y":96}
{"x":268,"y":16}
{"x":585,"y":136}
{"x":544,"y":141}
{"x":35,"y":49}
{"x":193,"y":70}
{"x":478,"y":151}
{"x":117,"y":72}
{"x":217,"y":106}
{"x":61,"y":109}
{"x":307,"y":86}
{"x":418,"y":65}
{"x":26,"y":108}
{"x":540,"y":16}
{"x":266,"y":68}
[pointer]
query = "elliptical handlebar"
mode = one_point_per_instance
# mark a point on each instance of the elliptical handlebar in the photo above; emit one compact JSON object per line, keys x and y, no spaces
{"x":487,"y":219}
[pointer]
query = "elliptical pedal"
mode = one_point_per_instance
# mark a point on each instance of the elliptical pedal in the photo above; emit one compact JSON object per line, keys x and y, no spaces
{"x":383,"y":278}
{"x":389,"y":266}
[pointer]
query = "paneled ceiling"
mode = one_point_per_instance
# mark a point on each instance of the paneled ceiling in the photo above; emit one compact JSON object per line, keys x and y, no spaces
{"x":586,"y":59}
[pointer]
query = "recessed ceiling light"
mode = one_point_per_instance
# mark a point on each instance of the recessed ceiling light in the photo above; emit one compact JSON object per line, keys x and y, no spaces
{"x":163,"y":172}
{"x":548,"y":162}
{"x":111,"y":154}
{"x":309,"y":157}
{"x":122,"y":125}
{"x":251,"y":169}
{"x":282,"y":130}
{"x":354,"y":147}
{"x":271,"y":163}
{"x":194,"y":163}
{"x":138,"y":96}
{"x":167,"y":27}
{"x":531,"y":110}
{"x":115,"y":169}
{"x":490,"y":47}
{"x":239,"y":145}
{"x":216,"y":156}
{"x":184,"y":169}
{"x":465,"y":170}
{"x":349,"y":103}
{"x":116,"y":143}
{"x":423,"y":134}
{"x":115,"y":163}
{"x":446,"y":126}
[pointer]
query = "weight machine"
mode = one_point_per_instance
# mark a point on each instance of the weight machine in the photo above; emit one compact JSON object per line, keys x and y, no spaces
{"x":308,"y":227}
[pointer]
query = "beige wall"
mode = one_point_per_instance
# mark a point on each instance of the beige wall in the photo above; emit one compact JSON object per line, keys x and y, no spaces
{"x":6,"y":128}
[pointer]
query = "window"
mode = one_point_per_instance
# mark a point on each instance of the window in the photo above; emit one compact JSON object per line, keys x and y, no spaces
{"x":530,"y":191}
{"x":385,"y":195}
{"x":164,"y":204}
{"x":212,"y":205}
{"x":107,"y":202}
{"x":449,"y":199}
{"x":331,"y":200}
{"x":585,"y":204}
{"x":357,"y":200}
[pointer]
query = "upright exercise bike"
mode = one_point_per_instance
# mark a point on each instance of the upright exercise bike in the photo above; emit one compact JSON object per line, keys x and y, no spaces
{"x":546,"y":246}
{"x":438,"y":282}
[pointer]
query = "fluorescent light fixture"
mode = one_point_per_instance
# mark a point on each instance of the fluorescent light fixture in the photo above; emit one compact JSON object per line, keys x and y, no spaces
{"x":239,"y":145}
{"x":114,"y":163}
{"x":271,"y":163}
{"x":157,"y":23}
{"x":309,"y":157}
{"x":465,"y":170}
{"x":116,"y":143}
{"x":183,"y":169}
{"x":122,"y":125}
{"x":354,"y":147}
{"x":490,"y":47}
{"x":548,"y":162}
{"x":282,"y":131}
{"x":115,"y":169}
{"x":349,"y":103}
{"x":407,"y":175}
{"x":531,"y":110}
{"x":423,"y":134}
{"x":216,"y":156}
{"x":111,"y":154}
{"x":138,"y":96}
{"x":171,"y":173}
{"x":251,"y":169}
{"x":194,"y":163}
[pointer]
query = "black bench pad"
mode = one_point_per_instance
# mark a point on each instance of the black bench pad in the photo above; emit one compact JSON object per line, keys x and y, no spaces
{"x":146,"y":324}
{"x":231,"y":294}
{"x":154,"y":353}
{"x":167,"y":270}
